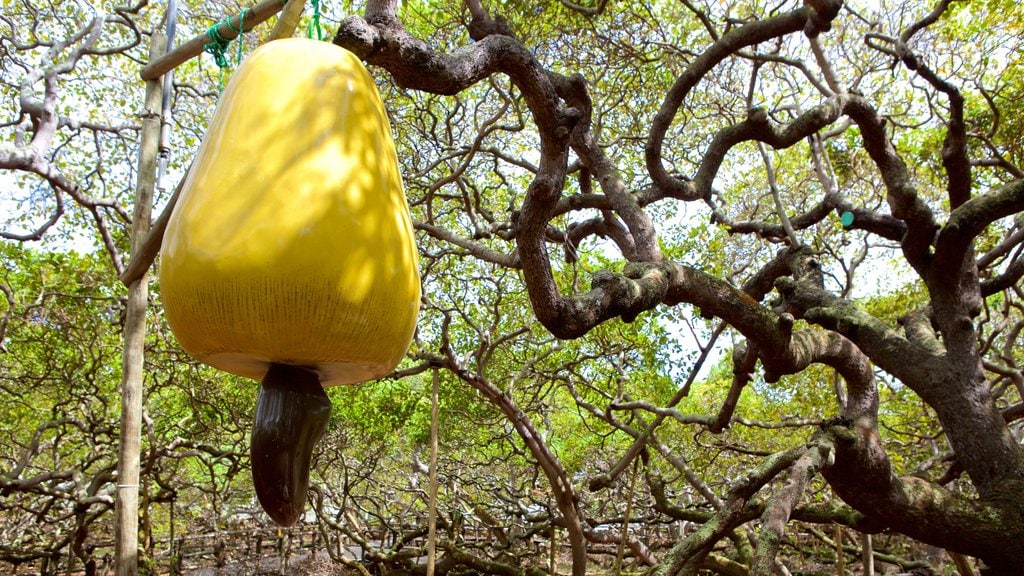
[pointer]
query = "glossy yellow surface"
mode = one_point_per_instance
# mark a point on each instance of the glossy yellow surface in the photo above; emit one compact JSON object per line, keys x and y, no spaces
{"x":291,"y":241}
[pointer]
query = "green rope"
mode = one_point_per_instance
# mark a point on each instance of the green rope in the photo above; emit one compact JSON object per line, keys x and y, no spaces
{"x":314,"y":23}
{"x":241,"y":30}
{"x":218,"y":44}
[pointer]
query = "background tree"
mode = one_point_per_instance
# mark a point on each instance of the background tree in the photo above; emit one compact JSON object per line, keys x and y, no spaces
{"x":607,"y":197}
{"x":770,"y":98}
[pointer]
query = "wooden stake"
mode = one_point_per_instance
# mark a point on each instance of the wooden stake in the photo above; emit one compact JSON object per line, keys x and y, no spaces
{"x":432,"y":491}
{"x":837,"y":532}
{"x":126,"y":540}
{"x":194,"y":47}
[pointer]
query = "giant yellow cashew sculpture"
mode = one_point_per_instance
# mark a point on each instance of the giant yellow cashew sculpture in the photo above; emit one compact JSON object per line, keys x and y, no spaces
{"x":290,"y":256}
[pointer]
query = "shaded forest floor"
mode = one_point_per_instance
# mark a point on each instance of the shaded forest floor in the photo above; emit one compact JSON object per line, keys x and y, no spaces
{"x":320,"y":564}
{"x":317,"y":564}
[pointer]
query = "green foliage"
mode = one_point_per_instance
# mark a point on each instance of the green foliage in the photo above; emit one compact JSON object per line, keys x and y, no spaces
{"x":468,"y":161}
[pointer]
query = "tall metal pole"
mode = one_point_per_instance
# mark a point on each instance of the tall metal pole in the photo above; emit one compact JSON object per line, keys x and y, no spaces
{"x":165,"y":103}
{"x":126,"y":532}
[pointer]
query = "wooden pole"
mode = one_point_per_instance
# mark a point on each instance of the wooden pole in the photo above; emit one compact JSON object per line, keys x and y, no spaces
{"x":194,"y":47}
{"x":432,"y":494}
{"x":837,"y":538}
{"x":126,"y":539}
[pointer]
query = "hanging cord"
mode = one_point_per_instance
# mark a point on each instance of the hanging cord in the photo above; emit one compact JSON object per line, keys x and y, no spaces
{"x":218,"y":44}
{"x":314,"y":22}
{"x":241,"y":30}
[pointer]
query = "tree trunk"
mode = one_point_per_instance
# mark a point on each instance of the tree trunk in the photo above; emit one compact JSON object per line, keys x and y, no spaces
{"x":126,"y":540}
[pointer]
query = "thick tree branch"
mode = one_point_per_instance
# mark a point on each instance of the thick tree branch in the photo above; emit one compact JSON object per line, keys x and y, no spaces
{"x":728,"y":44}
{"x":863,"y":477}
{"x":642,"y":240}
{"x":414,"y":65}
{"x":900,"y":187}
{"x":758,"y":127}
{"x":780,"y":506}
{"x":971,"y":218}
{"x":883,"y":345}
{"x":687,"y":556}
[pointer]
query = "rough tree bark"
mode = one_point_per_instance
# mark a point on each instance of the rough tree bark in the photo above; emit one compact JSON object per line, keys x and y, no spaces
{"x":935,"y":352}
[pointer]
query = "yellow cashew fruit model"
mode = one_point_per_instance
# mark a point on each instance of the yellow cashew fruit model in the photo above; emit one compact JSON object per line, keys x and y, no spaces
{"x":290,"y":255}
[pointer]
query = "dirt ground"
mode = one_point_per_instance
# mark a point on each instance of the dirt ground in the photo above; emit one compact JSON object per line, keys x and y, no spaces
{"x":302,"y":565}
